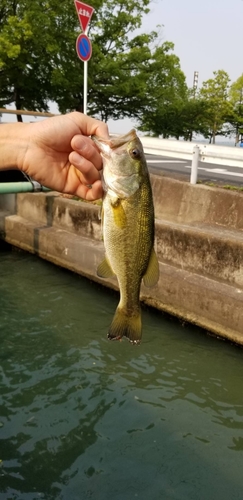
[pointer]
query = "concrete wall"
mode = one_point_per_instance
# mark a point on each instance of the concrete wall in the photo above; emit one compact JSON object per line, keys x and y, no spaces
{"x":199,"y":242}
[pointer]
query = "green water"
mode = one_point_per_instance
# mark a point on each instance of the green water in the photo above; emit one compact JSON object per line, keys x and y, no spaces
{"x":85,"y":418}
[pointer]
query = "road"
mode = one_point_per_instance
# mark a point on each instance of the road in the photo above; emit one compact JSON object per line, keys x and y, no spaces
{"x":207,"y":172}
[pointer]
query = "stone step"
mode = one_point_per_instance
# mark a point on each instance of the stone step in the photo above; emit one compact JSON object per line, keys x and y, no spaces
{"x":212,"y":251}
{"x":187,"y":203}
{"x":207,"y":302}
{"x":56,"y":210}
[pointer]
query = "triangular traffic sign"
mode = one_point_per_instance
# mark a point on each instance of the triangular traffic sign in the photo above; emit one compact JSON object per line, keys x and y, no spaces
{"x":84,"y":12}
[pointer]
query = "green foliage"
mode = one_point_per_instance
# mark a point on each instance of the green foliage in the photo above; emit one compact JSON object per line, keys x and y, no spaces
{"x":219,"y":107}
{"x":174,"y":110}
{"x":116,"y":76}
{"x":192,"y":116}
{"x":236,"y":92}
{"x":38,"y":60}
{"x":233,"y":188}
{"x":165,"y":95}
{"x":236,"y":117}
{"x":25,"y":62}
{"x":215,"y":94}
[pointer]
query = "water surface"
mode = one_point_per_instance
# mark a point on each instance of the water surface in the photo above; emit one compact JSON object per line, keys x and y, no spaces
{"x":85,"y":418}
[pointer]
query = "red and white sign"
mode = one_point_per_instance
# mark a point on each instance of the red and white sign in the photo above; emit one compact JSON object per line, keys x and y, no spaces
{"x":84,"y":12}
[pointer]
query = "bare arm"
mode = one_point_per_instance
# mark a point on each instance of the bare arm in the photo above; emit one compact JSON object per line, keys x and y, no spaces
{"x":56,"y":152}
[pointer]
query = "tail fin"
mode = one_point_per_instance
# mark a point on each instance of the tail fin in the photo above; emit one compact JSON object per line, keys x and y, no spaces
{"x":124,"y":325}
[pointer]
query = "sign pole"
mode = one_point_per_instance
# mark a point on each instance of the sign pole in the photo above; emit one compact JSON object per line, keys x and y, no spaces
{"x":85,"y":87}
{"x":83,"y":44}
{"x":85,"y":96}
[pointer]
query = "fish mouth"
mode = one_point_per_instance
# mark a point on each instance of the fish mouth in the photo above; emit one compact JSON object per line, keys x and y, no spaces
{"x":105,"y":145}
{"x":116,"y":142}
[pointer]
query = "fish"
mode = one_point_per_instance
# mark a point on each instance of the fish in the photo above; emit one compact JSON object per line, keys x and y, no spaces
{"x":128,"y":229}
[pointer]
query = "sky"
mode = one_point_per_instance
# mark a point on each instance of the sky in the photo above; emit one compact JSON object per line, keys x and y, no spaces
{"x":207,"y":34}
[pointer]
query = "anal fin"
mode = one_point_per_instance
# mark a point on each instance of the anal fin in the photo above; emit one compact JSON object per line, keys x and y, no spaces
{"x":104,"y":269}
{"x":151,"y":276}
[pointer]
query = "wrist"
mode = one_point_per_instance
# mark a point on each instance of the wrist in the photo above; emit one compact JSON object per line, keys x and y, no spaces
{"x":13,"y":144}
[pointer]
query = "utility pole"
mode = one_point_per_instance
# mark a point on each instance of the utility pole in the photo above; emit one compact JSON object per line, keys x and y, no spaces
{"x":195,"y":81}
{"x":195,"y":85}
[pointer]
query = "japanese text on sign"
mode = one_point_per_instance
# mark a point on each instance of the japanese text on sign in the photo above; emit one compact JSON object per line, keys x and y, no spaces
{"x":83,"y":12}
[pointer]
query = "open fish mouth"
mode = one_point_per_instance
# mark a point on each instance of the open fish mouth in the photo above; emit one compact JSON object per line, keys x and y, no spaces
{"x":114,"y":142}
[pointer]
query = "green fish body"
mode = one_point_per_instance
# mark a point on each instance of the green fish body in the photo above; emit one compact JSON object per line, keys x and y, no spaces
{"x":128,"y":229}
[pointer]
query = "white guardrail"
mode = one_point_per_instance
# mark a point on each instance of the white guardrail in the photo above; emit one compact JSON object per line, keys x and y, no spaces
{"x":207,"y":153}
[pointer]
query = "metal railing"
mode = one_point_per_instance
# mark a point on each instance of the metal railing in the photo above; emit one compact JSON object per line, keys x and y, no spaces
{"x":207,"y":153}
{"x":24,"y":112}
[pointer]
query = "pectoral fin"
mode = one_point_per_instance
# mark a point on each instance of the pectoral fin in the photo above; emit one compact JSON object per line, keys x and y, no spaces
{"x":104,"y":269}
{"x":151,"y":276}
{"x":119,"y":215}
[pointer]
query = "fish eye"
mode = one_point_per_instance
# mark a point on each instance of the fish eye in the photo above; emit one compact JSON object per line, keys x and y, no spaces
{"x":135,"y":153}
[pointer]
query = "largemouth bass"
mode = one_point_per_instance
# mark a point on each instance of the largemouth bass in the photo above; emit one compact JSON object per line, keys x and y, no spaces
{"x":128,"y":229}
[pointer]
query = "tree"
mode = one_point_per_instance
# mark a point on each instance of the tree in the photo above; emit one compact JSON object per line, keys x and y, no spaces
{"x":192,"y":116}
{"x":215,"y":94}
{"x":116,"y":71}
{"x":38,"y":61}
{"x":166,"y":92}
{"x":236,"y":99}
{"x":25,"y":43}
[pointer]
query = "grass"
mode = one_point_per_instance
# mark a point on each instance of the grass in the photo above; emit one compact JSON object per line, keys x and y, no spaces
{"x":233,"y":188}
{"x":222,"y":186}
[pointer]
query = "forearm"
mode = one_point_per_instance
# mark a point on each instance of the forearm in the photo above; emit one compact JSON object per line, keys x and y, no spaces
{"x":56,"y":152}
{"x":13,"y":143}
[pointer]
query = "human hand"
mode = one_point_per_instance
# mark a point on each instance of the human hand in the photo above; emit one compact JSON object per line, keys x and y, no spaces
{"x":60,"y":155}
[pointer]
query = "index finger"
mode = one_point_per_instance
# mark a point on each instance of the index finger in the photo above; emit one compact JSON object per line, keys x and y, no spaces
{"x":90,"y":126}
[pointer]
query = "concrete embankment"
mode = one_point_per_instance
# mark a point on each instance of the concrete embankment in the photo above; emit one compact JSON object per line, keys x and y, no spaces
{"x":199,"y":242}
